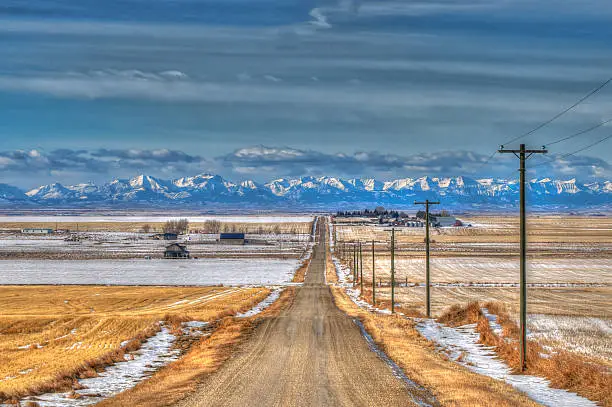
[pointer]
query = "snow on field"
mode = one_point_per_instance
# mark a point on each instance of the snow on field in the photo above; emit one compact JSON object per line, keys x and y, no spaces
{"x":149,"y":272}
{"x":156,"y":352}
{"x":461,"y":345}
{"x":586,"y":335}
{"x":152,"y":219}
{"x":492,"y":270}
{"x":262,"y":305}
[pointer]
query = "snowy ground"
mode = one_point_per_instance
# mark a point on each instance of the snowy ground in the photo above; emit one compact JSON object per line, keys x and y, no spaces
{"x":152,"y":219}
{"x":491,"y":270}
{"x":156,"y":352}
{"x":149,"y":272}
{"x":584,"y":335}
{"x":461,"y":345}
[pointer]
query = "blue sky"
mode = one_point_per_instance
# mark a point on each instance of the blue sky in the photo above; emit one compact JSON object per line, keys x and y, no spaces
{"x":91,"y":90}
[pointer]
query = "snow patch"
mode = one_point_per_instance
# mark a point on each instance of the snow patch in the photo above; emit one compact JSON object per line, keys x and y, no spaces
{"x":461,"y":345}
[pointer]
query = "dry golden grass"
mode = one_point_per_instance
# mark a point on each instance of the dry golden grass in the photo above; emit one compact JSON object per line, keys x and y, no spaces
{"x":51,"y":335}
{"x":300,"y":273}
{"x":179,"y":378}
{"x":566,"y":370}
{"x":452,"y":384}
{"x":245,"y":227}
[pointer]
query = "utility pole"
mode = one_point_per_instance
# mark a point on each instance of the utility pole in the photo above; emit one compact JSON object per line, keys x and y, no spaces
{"x":354,"y":265}
{"x":523,"y":155}
{"x":373,"y":276}
{"x":392,"y":230}
{"x":360,"y":270}
{"x":427,"y":283}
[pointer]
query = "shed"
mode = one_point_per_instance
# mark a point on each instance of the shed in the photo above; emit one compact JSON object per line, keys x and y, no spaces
{"x":232,"y":238}
{"x":444,"y":221}
{"x":37,"y":231}
{"x":165,"y":236}
{"x":176,"y":251}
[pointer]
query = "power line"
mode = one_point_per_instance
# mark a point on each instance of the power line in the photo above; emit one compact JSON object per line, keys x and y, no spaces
{"x":555,"y":117}
{"x":481,"y":166}
{"x":573,"y":152}
{"x":579,"y":133}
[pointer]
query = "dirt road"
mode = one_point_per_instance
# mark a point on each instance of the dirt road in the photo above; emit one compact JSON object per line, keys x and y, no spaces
{"x":311,"y":355}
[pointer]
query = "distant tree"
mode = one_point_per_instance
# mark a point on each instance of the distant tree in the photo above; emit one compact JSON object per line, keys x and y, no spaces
{"x":444,"y":213}
{"x":212,"y":226}
{"x":176,"y":226}
{"x":146,"y":228}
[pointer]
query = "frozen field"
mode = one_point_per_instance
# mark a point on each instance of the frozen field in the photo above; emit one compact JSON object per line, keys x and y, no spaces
{"x":491,"y":270}
{"x":149,"y":272}
{"x":138,"y":245}
{"x":155,"y":218}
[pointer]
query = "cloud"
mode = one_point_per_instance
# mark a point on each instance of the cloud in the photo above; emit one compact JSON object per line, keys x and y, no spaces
{"x":97,"y":161}
{"x":291,"y":161}
{"x":34,"y":167}
{"x":320,"y":19}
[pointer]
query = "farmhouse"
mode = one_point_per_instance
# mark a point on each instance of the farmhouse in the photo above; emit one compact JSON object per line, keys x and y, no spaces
{"x":232,"y":238}
{"x":37,"y":231}
{"x":176,"y":251}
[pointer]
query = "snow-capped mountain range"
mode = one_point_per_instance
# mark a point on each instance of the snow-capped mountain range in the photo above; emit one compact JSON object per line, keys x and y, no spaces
{"x":310,"y":192}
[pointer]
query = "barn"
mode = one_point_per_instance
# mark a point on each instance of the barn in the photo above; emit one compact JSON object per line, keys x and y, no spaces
{"x":232,"y":238}
{"x":176,"y":251}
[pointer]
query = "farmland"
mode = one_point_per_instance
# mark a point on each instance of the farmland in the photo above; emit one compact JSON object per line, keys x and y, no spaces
{"x":96,"y":292}
{"x":49,"y":336}
{"x":569,"y":279}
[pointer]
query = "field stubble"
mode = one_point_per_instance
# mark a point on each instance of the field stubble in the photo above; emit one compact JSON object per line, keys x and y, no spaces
{"x":49,"y":336}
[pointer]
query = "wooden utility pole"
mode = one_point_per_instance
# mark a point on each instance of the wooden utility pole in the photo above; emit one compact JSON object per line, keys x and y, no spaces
{"x":360,"y":270}
{"x":523,"y":155}
{"x":373,"y":276}
{"x":427,"y":282}
{"x":392,"y":230}
{"x":354,"y":265}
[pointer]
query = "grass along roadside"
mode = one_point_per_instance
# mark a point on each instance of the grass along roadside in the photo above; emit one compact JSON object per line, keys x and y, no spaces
{"x":451,"y":384}
{"x":175,"y":381}
{"x":580,"y":374}
{"x":51,"y":336}
{"x":300,"y":273}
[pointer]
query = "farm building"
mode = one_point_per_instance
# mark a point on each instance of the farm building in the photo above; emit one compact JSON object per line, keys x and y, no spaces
{"x":176,"y":251}
{"x":232,"y":238}
{"x":37,"y":231}
{"x":165,"y":236}
{"x":445,"y":221}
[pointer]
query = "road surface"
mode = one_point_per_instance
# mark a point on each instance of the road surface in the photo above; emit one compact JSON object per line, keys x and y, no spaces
{"x":312,"y":354}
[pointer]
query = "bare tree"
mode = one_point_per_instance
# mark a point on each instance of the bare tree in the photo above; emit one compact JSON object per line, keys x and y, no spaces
{"x":146,"y":228}
{"x":212,"y":226}
{"x":176,"y":226}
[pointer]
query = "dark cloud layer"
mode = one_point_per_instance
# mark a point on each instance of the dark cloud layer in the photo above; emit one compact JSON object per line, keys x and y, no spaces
{"x":264,"y":162}
{"x":95,"y":161}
